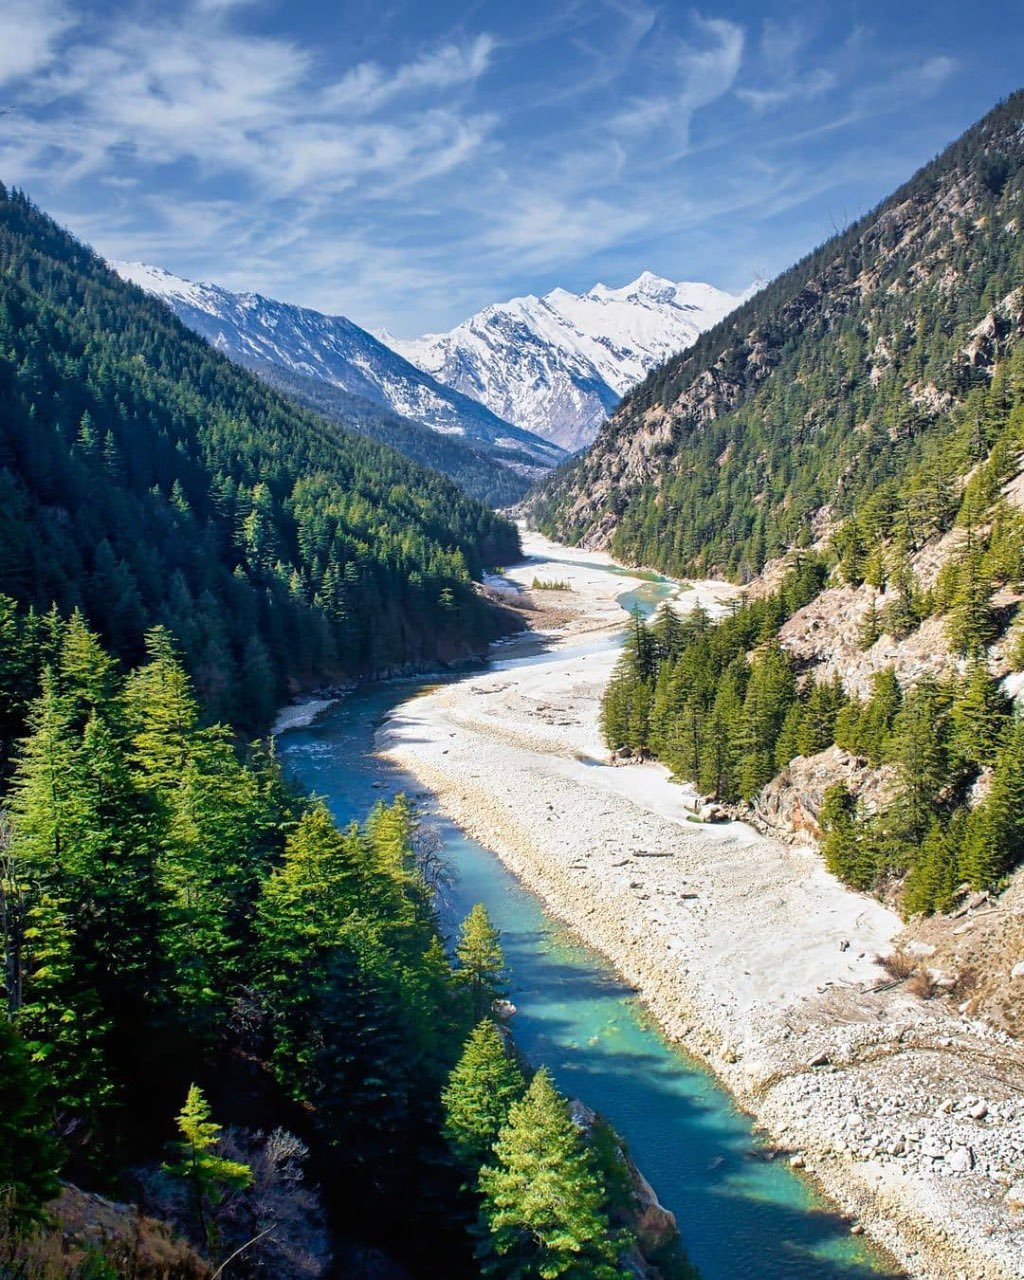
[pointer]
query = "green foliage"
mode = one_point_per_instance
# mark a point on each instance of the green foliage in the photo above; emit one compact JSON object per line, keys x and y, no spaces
{"x":481,"y":960}
{"x":207,"y":1175}
{"x":28,"y":1153}
{"x":687,"y":690}
{"x":811,"y":393}
{"x":480,"y":1091}
{"x":149,"y":481}
{"x":543,"y":1208}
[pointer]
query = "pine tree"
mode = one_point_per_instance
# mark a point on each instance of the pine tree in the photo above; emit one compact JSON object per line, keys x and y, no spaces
{"x":933,"y":876}
{"x":977,"y":718}
{"x":917,"y":749}
{"x":994,"y":838}
{"x":28,"y":1153}
{"x":481,"y":1089}
{"x":481,"y":960}
{"x":542,"y":1201}
{"x":207,"y":1175}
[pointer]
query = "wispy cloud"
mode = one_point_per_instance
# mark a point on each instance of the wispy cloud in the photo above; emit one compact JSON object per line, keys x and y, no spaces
{"x":444,"y":161}
{"x":29,"y":33}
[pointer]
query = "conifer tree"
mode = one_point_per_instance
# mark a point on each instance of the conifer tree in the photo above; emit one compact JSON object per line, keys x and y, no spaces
{"x":994,"y":838}
{"x":28,"y":1153}
{"x":543,"y":1205}
{"x":917,"y":749}
{"x":481,"y":960}
{"x":480,"y":1091}
{"x":977,"y":717}
{"x":207,"y":1175}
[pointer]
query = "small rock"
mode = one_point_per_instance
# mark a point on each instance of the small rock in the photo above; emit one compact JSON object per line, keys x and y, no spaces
{"x":856,"y":1229}
{"x":961,"y":1160}
{"x":797,"y":1162}
{"x":819,"y":1060}
{"x":1015,"y":1195}
{"x":979,"y":1111}
{"x":1018,"y":970}
{"x":844,"y":944}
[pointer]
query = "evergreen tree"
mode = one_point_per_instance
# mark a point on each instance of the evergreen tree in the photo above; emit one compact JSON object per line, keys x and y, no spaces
{"x":479,"y":1093}
{"x":481,"y":960}
{"x":543,"y":1205}
{"x":207,"y":1175}
{"x":917,"y":748}
{"x":28,"y":1153}
{"x":994,"y":838}
{"x":977,"y":718}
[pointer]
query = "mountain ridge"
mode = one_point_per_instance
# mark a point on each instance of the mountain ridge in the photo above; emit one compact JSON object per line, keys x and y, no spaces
{"x":558,"y":364}
{"x":827,"y":383}
{"x":250,"y":327}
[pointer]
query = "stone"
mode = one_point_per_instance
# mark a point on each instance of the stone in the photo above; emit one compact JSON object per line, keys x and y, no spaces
{"x":1018,"y":970}
{"x":797,"y":1162}
{"x":1015,"y":1195}
{"x":979,"y":1111}
{"x":960,"y":1160}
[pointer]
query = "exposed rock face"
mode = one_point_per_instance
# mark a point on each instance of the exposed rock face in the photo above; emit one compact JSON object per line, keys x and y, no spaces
{"x":789,"y":805}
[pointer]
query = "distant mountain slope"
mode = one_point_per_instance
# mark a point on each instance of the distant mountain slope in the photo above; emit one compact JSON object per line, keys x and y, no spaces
{"x":476,"y":468}
{"x":249,"y":327}
{"x":559,"y":364}
{"x":146,"y":479}
{"x":822,"y":388}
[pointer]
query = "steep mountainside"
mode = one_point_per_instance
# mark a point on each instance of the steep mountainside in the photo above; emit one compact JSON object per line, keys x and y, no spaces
{"x":250,"y":328}
{"x":146,"y":479}
{"x":476,"y":468}
{"x":823,"y":387}
{"x":866,"y":694}
{"x":557,"y":365}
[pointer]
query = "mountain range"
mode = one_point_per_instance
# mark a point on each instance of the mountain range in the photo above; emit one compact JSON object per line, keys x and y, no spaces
{"x":266,"y":335}
{"x":559,"y":364}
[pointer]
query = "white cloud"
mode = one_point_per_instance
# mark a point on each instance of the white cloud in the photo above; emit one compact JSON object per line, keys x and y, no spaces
{"x":29,"y":32}
{"x":693,"y":74}
{"x":368,"y":87}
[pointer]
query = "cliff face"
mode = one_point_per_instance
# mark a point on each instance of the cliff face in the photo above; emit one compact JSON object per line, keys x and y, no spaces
{"x":820,"y":387}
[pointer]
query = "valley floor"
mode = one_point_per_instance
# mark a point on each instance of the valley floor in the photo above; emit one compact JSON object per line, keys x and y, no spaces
{"x":910,"y":1116}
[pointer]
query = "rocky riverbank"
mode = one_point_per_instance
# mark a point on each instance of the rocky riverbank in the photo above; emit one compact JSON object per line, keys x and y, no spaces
{"x":746,"y":950}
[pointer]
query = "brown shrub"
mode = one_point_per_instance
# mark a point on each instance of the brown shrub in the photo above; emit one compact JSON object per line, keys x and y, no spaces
{"x":898,"y":965}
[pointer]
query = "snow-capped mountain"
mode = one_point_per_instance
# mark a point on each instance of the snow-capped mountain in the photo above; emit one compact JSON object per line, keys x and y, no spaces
{"x":257,"y":331}
{"x":557,"y":365}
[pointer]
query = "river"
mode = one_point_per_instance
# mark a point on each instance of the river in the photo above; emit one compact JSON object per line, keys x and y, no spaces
{"x":741,"y":1215}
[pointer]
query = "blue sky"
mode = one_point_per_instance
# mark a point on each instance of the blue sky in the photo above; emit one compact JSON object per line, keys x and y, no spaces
{"x":406,"y":163}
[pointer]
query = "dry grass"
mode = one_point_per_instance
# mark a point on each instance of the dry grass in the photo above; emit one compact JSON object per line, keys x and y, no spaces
{"x":89,"y":1238}
{"x":898,"y":965}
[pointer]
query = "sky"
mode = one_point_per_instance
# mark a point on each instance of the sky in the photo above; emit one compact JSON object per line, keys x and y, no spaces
{"x":407,"y":163}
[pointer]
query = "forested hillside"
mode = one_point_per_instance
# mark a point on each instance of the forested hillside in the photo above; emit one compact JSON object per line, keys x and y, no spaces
{"x":146,"y":479}
{"x":871,"y":690}
{"x":477,"y":469}
{"x":184,"y":936}
{"x":827,"y":389}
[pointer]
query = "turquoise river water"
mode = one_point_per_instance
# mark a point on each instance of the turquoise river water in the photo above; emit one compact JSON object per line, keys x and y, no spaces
{"x":741,"y":1216}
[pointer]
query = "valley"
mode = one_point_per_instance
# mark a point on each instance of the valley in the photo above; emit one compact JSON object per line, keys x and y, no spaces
{"x":747,"y":951}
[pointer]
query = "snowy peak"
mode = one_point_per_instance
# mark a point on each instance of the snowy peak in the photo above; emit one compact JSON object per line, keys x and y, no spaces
{"x":258,"y":331}
{"x":556,"y":365}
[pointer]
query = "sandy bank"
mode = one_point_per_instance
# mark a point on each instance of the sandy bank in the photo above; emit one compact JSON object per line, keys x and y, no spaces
{"x":745,"y":949}
{"x":297,"y":715}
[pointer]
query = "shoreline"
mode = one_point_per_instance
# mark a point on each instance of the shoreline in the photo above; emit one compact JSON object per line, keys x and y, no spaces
{"x":733,"y":941}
